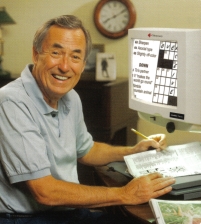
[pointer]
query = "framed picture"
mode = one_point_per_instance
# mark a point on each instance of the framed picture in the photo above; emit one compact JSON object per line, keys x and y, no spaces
{"x":105,"y":67}
{"x":90,"y":67}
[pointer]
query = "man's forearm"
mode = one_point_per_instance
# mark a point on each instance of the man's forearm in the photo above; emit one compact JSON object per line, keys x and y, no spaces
{"x":61,"y":193}
{"x":52,"y":192}
{"x":102,"y":154}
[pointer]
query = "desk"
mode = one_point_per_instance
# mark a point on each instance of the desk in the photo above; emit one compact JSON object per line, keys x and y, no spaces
{"x":142,"y":213}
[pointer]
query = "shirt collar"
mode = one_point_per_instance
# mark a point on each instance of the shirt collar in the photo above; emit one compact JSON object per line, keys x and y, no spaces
{"x":35,"y":94}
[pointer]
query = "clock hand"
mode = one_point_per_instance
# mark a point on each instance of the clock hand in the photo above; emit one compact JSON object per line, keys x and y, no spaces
{"x":120,"y":12}
{"x":114,"y":16}
{"x":109,"y":19}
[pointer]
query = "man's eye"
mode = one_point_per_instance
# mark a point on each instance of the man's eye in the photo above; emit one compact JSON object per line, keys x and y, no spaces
{"x":56,"y":53}
{"x":76,"y":57}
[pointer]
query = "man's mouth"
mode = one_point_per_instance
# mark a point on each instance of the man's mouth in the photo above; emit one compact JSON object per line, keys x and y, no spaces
{"x":60,"y":77}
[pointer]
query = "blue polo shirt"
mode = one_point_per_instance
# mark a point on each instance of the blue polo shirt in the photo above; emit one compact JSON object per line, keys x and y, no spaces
{"x":37,"y":140}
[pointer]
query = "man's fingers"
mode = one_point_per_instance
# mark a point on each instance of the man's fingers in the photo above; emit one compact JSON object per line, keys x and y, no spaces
{"x":161,"y":185}
{"x":155,"y":175}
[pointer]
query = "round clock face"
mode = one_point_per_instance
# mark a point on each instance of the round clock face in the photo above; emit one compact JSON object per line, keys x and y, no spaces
{"x":113,"y":18}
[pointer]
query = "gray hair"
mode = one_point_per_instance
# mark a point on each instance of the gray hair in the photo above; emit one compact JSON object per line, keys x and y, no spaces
{"x":66,"y":21}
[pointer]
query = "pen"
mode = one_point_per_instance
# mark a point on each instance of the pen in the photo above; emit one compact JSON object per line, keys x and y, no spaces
{"x":138,"y":133}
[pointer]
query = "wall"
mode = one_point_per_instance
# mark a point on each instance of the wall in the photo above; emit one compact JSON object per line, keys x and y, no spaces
{"x":30,"y":14}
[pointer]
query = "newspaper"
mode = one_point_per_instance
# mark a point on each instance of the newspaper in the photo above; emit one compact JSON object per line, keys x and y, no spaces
{"x":176,"y":212}
{"x":175,"y":161}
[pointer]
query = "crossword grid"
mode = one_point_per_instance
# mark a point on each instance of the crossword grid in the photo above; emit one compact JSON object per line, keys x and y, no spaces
{"x":165,"y":90}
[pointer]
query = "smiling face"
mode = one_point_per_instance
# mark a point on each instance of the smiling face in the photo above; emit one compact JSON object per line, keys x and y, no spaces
{"x":57,"y":69}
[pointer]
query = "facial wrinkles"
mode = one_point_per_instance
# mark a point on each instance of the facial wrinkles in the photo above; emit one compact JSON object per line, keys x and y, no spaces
{"x":52,"y":70}
{"x":42,"y":73}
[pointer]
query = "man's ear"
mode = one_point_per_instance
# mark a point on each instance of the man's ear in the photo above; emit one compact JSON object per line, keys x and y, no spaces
{"x":34,"y":55}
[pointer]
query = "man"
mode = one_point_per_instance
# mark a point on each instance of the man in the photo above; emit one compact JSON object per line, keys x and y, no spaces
{"x":43,"y":134}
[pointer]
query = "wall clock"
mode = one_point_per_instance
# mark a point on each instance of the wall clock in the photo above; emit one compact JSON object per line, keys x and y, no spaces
{"x":113,"y":18}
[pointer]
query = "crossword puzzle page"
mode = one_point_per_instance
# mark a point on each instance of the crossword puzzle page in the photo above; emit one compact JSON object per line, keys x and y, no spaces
{"x":154,"y":71}
{"x":177,"y":160}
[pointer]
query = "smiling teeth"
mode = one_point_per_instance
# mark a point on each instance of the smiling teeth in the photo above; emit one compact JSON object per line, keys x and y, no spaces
{"x":60,"y":77}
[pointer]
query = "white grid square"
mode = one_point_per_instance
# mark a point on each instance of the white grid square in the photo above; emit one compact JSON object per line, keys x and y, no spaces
{"x":161,"y":91}
{"x":155,"y":98}
{"x":165,"y":99}
{"x":160,"y":99}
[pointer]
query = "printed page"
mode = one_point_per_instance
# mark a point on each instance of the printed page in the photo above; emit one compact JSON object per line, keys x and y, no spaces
{"x":179,"y":160}
{"x":166,"y":211}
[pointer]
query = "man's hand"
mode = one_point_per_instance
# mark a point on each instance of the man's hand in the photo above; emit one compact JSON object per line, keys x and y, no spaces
{"x":161,"y":139}
{"x":157,"y":141}
{"x":142,"y":189}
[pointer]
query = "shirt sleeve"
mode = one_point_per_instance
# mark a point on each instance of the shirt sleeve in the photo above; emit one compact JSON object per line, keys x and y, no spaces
{"x":84,"y":140}
{"x":22,"y":148}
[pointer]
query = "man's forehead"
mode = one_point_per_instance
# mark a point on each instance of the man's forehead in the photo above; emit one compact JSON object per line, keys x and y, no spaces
{"x":60,"y":37}
{"x":65,"y":33}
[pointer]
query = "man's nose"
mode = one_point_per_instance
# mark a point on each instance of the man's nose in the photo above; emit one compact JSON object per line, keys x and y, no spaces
{"x":64,"y":64}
